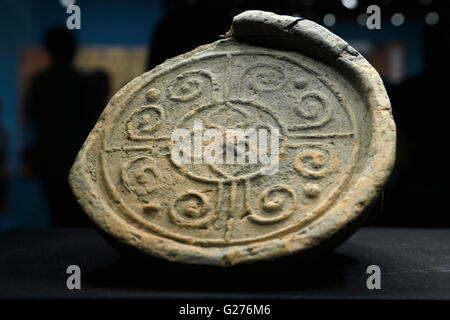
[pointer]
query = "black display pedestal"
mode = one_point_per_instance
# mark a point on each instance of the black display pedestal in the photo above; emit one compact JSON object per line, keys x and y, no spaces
{"x":414,"y":263}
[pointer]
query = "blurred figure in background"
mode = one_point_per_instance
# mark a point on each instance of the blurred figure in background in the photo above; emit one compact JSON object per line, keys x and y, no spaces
{"x":96,"y":98}
{"x":187,"y":25}
{"x":63,"y":104}
{"x":3,"y":173}
{"x":419,"y":182}
{"x":191,"y":23}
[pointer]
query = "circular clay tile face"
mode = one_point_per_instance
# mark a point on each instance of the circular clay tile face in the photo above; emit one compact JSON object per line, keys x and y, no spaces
{"x":241,"y":150}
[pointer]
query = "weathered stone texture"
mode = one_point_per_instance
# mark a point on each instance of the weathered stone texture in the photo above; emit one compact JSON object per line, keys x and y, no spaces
{"x":336,"y":150}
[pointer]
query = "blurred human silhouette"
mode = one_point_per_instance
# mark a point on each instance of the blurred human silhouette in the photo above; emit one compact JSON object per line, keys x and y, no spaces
{"x":96,"y":97}
{"x":419,"y":182}
{"x":188,"y":24}
{"x":3,"y":173}
{"x":63,"y":103}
